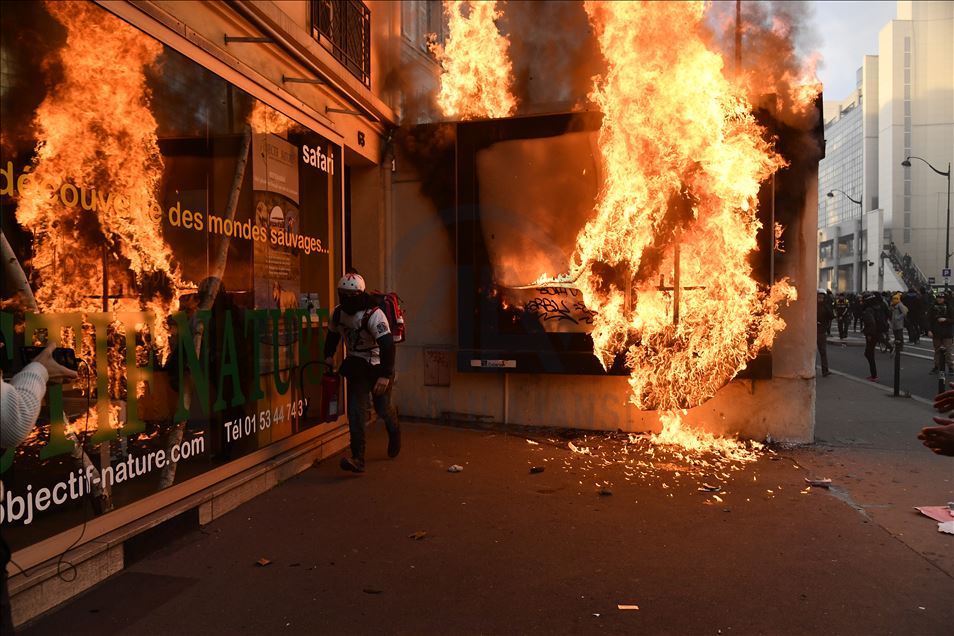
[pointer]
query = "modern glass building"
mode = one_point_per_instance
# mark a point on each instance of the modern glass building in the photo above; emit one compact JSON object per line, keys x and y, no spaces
{"x":901,"y":107}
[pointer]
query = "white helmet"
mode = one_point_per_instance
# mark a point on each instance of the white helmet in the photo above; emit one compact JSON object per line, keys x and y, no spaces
{"x":351,"y":282}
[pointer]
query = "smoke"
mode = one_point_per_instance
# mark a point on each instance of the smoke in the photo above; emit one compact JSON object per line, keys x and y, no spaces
{"x":778,"y":55}
{"x":554,"y":55}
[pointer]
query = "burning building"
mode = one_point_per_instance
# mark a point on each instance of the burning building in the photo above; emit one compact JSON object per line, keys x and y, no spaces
{"x":636,"y":260}
{"x":182,"y":183}
{"x":176,"y":181}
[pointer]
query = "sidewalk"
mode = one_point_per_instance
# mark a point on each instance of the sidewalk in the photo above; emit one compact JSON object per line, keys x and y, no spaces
{"x":507,"y":551}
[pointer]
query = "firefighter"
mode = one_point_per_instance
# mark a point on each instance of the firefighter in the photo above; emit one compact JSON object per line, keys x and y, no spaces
{"x":368,"y":365}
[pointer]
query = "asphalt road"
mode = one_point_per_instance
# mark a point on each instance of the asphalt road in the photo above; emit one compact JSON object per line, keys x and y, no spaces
{"x":848,"y":356}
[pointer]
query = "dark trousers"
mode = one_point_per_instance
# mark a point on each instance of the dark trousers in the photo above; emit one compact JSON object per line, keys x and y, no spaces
{"x":914,"y":332}
{"x":822,"y":342}
{"x":360,"y":401}
{"x":870,"y":343}
{"x":843,"y":326}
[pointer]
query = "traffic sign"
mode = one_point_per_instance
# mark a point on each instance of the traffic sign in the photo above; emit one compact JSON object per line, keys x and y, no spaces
{"x":931,"y":280}
{"x":946,"y":272}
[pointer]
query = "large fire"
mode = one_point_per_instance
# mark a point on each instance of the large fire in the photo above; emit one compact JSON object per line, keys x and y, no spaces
{"x":99,"y":157}
{"x":477,"y":74}
{"x":91,"y":198}
{"x":664,"y":260}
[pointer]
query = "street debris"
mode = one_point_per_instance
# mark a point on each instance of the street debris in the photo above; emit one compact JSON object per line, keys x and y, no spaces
{"x":626,"y":607}
{"x":417,"y":536}
{"x":533,"y":443}
{"x":371,"y":590}
{"x":263,"y":562}
{"x":938,"y":513}
{"x":942,"y":514}
{"x":709,"y":488}
{"x":455,"y":468}
{"x":579,"y":450}
{"x":819,"y":483}
{"x":535,"y":470}
{"x":605,"y":492}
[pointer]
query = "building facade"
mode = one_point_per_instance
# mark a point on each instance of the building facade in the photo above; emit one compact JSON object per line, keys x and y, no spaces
{"x":841,"y":249}
{"x":904,"y":95}
{"x":208,"y":163}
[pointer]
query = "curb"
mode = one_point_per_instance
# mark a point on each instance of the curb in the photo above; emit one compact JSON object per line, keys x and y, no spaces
{"x":885,"y":389}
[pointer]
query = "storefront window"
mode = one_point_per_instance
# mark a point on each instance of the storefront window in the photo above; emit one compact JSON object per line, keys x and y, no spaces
{"x":179,"y":235}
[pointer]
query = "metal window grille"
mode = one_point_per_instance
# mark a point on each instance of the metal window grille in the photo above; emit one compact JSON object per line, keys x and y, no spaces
{"x":344,"y":28}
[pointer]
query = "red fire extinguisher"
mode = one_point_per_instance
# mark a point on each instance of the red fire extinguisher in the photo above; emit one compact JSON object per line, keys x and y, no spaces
{"x":330,"y":384}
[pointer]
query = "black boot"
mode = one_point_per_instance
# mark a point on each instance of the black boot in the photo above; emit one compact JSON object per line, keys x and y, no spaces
{"x":394,"y":443}
{"x":352,"y":464}
{"x":355,"y":463}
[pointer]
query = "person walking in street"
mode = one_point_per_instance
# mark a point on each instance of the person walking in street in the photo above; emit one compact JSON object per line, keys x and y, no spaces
{"x":899,"y":313}
{"x":912,"y":301}
{"x":871,"y":327}
{"x":842,"y":314}
{"x":927,"y":300}
{"x":368,"y":365}
{"x":824,"y":316}
{"x":884,"y":321}
{"x":941,"y":320}
{"x":830,"y":301}
{"x":856,"y":308}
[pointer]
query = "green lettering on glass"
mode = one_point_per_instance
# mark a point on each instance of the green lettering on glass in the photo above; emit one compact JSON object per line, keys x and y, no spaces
{"x":134,"y":374}
{"x":229,"y":367}
{"x":277,"y":317}
{"x":196,"y":359}
{"x":104,"y":428}
{"x":312,"y":370}
{"x":256,"y":319}
{"x":54,"y":324}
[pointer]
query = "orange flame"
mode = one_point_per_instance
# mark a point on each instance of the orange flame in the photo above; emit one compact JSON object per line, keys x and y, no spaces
{"x":477,"y":73}
{"x":265,"y":119}
{"x":97,"y":139}
{"x":97,"y":171}
{"x":664,"y":260}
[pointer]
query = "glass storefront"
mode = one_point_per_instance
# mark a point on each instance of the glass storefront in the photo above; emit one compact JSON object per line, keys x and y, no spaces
{"x":181,"y":236}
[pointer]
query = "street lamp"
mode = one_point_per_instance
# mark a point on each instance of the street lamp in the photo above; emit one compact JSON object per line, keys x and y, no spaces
{"x":947,"y":236}
{"x":861,"y":227}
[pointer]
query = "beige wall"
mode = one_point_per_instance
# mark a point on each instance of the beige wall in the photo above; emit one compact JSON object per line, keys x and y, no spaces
{"x":425,"y":276}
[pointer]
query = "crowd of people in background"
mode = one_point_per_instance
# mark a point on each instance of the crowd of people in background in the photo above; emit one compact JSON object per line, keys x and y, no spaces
{"x":883,"y":318}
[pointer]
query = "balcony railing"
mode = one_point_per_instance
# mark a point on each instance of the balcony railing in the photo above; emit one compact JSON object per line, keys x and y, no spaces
{"x":344,"y":28}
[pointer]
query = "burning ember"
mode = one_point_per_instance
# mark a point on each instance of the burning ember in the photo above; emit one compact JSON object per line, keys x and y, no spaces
{"x":477,"y":74}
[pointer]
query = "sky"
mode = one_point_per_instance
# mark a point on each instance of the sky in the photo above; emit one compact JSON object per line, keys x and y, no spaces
{"x":844,"y":32}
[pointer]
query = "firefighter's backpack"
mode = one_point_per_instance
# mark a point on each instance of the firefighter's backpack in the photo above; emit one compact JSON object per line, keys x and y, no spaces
{"x":390,"y":304}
